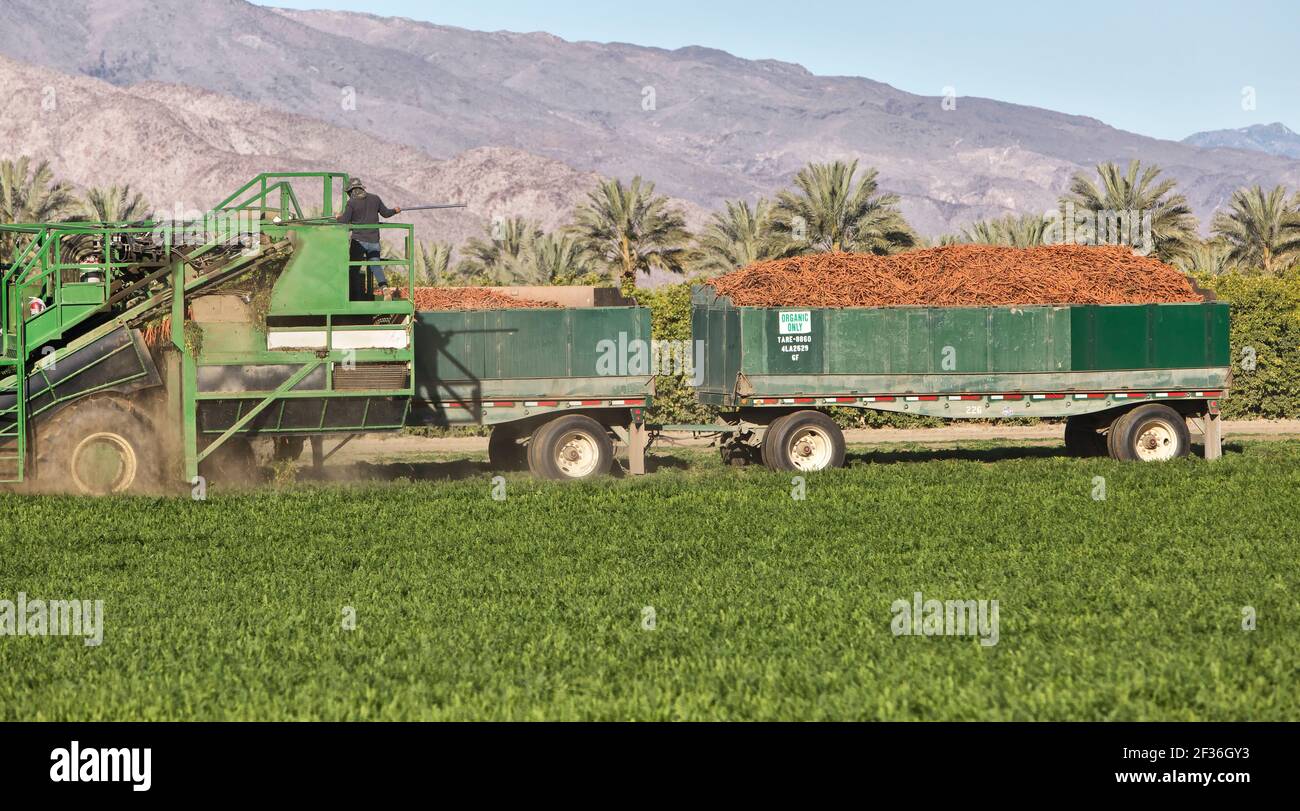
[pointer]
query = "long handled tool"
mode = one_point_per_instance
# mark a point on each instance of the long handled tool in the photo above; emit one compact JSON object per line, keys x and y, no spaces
{"x":431,"y":208}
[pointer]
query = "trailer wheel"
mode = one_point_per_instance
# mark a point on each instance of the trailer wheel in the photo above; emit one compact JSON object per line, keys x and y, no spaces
{"x":804,"y":442}
{"x":1150,"y":433}
{"x":765,"y":452}
{"x":1082,"y":437}
{"x":504,"y":449}
{"x":570,"y":448}
{"x":98,"y":447}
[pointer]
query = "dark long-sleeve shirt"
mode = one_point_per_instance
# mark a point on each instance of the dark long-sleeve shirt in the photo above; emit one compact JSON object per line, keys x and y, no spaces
{"x":365,"y":210}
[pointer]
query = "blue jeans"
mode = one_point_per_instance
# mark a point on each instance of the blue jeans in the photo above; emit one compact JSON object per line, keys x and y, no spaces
{"x":372,"y":251}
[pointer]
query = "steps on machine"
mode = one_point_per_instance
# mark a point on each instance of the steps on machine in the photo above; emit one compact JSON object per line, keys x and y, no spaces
{"x":13,"y":444}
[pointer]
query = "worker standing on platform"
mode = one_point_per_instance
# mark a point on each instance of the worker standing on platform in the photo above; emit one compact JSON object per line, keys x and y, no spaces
{"x":365,"y":209}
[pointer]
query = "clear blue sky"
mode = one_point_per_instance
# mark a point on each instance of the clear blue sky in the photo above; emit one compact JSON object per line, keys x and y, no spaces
{"x":1166,"y":69}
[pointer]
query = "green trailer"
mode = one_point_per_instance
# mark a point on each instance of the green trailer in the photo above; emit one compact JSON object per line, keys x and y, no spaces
{"x":146,"y":356}
{"x":1126,"y":378}
{"x":548,"y":381}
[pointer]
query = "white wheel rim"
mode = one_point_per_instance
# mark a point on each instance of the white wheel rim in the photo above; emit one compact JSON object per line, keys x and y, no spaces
{"x":1156,"y":441}
{"x":99,"y":443}
{"x":809,"y":449}
{"x":576,"y":454}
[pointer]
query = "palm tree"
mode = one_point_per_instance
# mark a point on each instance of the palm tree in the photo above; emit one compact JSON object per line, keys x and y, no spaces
{"x":29,"y":195}
{"x":629,"y":230}
{"x":828,"y":212}
{"x":1139,"y":190}
{"x":1025,"y":231}
{"x":558,"y":258}
{"x":114,"y":204}
{"x":735,"y":238}
{"x":502,"y":256}
{"x":1207,"y":258}
{"x":1261,"y":229}
{"x":432,"y":263}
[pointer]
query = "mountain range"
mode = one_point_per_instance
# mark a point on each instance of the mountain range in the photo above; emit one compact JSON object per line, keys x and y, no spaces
{"x":181,"y":96}
{"x":1271,"y":139}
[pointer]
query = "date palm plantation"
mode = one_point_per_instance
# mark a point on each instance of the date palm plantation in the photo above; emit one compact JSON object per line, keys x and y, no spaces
{"x":1026,"y":231}
{"x":630,"y":230}
{"x":828,"y":211}
{"x":1139,"y":189}
{"x":558,"y":259}
{"x":30,"y":194}
{"x":501,"y":257}
{"x":735,"y":238}
{"x":1261,"y":229}
{"x":114,"y":204}
{"x":432,"y":263}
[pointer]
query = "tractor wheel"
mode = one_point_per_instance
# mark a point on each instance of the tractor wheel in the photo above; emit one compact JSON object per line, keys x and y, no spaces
{"x":504,"y":449}
{"x":1082,"y":437}
{"x":98,"y":447}
{"x":570,"y":448}
{"x":804,"y":442}
{"x":1150,"y":433}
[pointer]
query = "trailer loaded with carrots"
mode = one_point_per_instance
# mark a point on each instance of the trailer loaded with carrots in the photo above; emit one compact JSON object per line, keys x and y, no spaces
{"x":1121,"y":346}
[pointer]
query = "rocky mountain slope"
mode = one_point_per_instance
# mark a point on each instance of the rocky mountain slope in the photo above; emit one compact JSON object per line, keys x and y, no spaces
{"x":704,"y":124}
{"x":1271,"y":139}
{"x":187,"y":148}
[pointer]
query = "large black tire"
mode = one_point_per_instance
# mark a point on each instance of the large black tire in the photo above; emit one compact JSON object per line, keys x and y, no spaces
{"x":765,"y":447}
{"x":97,"y":447}
{"x":505,"y":452}
{"x":804,"y":442}
{"x":1113,"y":433}
{"x":570,"y":448}
{"x":1082,"y":437}
{"x":1150,"y":433}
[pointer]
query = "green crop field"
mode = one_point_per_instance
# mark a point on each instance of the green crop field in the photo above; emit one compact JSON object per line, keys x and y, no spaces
{"x":693,"y":593}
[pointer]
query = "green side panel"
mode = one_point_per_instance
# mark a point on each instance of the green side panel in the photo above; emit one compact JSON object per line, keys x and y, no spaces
{"x":906,"y":340}
{"x":1144,"y":336}
{"x":543,"y":346}
{"x":959,"y":339}
{"x":315,"y":279}
{"x":969,"y":348}
{"x":74,"y":293}
{"x":1028,"y":339}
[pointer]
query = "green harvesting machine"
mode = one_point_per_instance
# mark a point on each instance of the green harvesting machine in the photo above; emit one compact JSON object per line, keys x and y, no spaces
{"x":138,"y":357}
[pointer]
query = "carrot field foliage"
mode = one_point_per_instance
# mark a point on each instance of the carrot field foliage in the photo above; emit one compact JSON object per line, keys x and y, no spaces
{"x":700,"y":593}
